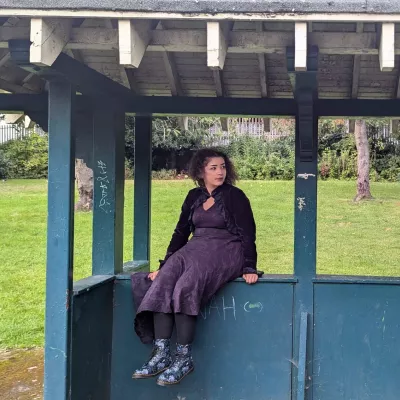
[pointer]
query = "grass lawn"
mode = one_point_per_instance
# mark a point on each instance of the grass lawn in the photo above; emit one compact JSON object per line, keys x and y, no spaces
{"x":355,"y":239}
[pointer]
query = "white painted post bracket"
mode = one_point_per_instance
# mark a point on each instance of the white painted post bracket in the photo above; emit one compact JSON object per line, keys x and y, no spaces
{"x":386,"y":47}
{"x":134,"y":37}
{"x":300,"y":43}
{"x":217,"y":45}
{"x":49,"y":36}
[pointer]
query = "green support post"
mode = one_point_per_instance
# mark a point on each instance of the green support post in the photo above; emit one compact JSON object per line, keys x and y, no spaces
{"x":142,"y":194}
{"x":305,"y":224}
{"x":60,"y":233}
{"x":108,"y":197}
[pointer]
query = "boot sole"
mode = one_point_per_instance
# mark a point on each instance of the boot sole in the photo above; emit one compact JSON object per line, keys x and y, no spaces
{"x":160,"y":383}
{"x":135,"y":376}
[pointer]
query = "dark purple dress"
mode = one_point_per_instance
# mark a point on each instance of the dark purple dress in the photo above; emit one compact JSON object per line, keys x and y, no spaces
{"x":192,"y":275}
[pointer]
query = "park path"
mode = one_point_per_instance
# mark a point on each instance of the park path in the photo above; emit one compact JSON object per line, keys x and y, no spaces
{"x":21,"y":374}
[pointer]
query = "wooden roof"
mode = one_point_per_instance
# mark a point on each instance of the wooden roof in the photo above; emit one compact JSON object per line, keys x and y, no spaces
{"x":186,"y":57}
{"x":212,"y":6}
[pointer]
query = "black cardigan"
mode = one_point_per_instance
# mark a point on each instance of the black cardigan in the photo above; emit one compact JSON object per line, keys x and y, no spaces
{"x":236,"y":210}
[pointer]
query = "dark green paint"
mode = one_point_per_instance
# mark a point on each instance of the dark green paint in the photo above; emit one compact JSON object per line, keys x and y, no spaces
{"x":302,"y":363}
{"x":373,"y":280}
{"x":60,"y":229}
{"x":239,"y":354}
{"x":356,"y":342}
{"x":288,"y":337}
{"x":305,"y":223}
{"x":91,"y":351}
{"x":142,"y":189}
{"x":160,"y":105}
{"x":135,"y":266}
{"x":108,"y":201}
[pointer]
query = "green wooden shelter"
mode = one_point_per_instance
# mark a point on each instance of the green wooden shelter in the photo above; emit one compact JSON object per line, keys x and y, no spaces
{"x":78,"y":67}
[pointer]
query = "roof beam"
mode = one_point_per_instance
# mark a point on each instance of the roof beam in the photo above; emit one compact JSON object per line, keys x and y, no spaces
{"x":175,"y":84}
{"x":134,"y":37}
{"x":6,"y":57}
{"x":220,"y":91}
{"x":267,"y":42}
{"x":13,"y":87}
{"x":130,"y":74}
{"x":217,"y":44}
{"x":158,"y":105}
{"x":195,"y":40}
{"x":387,"y":47}
{"x":300,"y":46}
{"x":48,"y":37}
{"x":172,"y":74}
{"x":208,"y":15}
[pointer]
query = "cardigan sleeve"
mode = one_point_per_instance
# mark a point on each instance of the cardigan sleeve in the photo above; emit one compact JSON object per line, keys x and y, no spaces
{"x":244,"y":219}
{"x":182,"y":230}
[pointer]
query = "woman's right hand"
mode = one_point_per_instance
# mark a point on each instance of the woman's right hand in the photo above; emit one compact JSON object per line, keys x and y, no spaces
{"x":153,"y":275}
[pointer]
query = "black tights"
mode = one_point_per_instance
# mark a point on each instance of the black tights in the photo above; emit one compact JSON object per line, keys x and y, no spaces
{"x":185,"y":327}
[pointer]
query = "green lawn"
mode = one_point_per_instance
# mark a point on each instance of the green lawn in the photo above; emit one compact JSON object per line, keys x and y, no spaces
{"x":352,"y":239}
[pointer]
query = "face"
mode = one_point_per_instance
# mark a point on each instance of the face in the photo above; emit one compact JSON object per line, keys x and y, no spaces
{"x":214,"y":172}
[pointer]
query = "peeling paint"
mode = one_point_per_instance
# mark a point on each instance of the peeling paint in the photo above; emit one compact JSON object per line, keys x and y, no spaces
{"x":67,"y":300}
{"x":301,"y":203}
{"x":305,"y":176}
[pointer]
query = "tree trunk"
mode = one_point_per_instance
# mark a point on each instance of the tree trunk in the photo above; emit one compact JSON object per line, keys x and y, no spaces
{"x":84,"y":180}
{"x":363,"y":188}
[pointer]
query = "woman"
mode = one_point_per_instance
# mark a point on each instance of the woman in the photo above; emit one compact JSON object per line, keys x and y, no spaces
{"x":222,"y":248}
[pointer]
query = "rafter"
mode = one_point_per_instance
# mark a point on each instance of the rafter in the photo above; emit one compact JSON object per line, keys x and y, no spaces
{"x":356,"y":77}
{"x":174,"y":81}
{"x":220,"y":91}
{"x":263,"y":79}
{"x":395,"y":122}
{"x":172,"y":74}
{"x":125,"y":79}
{"x":13,"y":87}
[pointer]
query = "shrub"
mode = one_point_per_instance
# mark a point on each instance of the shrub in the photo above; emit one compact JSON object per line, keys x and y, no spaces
{"x":28,"y":157}
{"x":164,"y":174}
{"x":5,"y":165}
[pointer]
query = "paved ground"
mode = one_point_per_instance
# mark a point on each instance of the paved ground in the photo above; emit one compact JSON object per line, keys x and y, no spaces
{"x":21,"y":374}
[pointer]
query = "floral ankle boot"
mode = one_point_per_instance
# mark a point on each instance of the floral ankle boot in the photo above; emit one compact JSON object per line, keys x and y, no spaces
{"x":160,"y":360}
{"x":181,"y":367}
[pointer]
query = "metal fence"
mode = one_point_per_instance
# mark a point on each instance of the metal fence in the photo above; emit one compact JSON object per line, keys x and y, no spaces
{"x":254,"y":127}
{"x":383,"y":132}
{"x":251,"y":127}
{"x":14,"y":131}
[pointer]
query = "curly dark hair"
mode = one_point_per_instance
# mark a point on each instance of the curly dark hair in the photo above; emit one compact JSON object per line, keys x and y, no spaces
{"x":201,"y":158}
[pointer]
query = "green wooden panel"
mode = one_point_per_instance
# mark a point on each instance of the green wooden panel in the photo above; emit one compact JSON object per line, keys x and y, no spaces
{"x":243,"y":347}
{"x":60,"y":228}
{"x":356,"y":342}
{"x":142,"y":188}
{"x":108,"y":201}
{"x":91,"y":348}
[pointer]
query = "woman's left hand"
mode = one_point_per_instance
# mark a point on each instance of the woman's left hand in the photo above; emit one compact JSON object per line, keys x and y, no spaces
{"x":250,"y":278}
